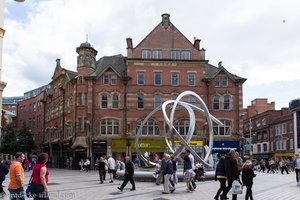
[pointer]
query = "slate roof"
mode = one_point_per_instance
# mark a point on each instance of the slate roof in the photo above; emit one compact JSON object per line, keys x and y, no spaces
{"x":116,"y":63}
{"x":212,"y":71}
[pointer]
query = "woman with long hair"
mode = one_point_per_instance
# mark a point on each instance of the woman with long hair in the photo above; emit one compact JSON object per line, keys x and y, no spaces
{"x":39,"y":183}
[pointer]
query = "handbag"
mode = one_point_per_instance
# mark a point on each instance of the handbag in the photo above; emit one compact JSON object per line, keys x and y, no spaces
{"x":105,"y":167}
{"x":236,"y":187}
{"x":28,"y":189}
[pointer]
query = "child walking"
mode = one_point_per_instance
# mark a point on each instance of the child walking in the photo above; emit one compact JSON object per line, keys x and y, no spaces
{"x":247,"y":178}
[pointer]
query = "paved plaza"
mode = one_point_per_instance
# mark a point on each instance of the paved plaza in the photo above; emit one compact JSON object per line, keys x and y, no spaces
{"x":77,"y":185}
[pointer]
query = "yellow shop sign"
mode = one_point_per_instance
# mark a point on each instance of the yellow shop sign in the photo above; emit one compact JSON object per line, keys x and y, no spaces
{"x":191,"y":143}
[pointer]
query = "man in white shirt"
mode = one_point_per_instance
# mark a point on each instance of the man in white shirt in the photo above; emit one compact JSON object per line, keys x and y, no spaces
{"x":111,"y":167}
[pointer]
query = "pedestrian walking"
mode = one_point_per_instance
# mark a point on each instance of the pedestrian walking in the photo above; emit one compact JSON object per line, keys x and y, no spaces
{"x":221,"y":177}
{"x":231,"y":171}
{"x":173,"y":179}
{"x":188,"y":173}
{"x":247,"y":178}
{"x":101,"y":168}
{"x":111,"y":167}
{"x":192,"y":159}
{"x":283,"y":165}
{"x":128,"y":175}
{"x":297,"y":167}
{"x":3,"y":172}
{"x":168,"y":171}
{"x":17,"y":178}
{"x":39,"y":183}
{"x":87,"y":165}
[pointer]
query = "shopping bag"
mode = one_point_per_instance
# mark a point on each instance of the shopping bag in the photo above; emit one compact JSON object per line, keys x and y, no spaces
{"x":28,"y":189}
{"x":236,"y":187}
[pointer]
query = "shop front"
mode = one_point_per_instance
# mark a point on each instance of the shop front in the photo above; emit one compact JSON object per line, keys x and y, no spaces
{"x":261,"y":156}
{"x":99,"y":149}
{"x":55,"y":159}
{"x":151,"y":149}
{"x":223,"y":147}
{"x":67,"y":154}
{"x":197,"y":146}
{"x":282,"y":155}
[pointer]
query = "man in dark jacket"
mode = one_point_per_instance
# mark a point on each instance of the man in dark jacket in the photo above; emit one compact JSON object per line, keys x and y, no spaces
{"x":231,"y":171}
{"x":128,"y":176}
{"x":3,"y":172}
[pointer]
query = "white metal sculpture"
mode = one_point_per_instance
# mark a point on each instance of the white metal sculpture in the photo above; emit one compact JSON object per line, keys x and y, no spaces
{"x":173,"y":132}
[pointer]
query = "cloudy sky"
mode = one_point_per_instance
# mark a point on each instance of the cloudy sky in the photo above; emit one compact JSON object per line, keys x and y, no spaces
{"x":255,"y":39}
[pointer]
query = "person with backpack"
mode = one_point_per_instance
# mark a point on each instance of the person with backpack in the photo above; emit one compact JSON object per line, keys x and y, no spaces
{"x":3,"y":172}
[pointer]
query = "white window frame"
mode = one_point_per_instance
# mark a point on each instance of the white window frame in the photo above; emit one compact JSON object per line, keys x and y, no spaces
{"x":140,"y":78}
{"x":146,"y":54}
{"x":191,"y":79}
{"x":157,"y":78}
{"x":175,"y":55}
{"x":105,"y":79}
{"x":109,"y":127}
{"x":185,"y":55}
{"x":157,"y":54}
{"x":149,"y":128}
{"x":174,"y":78}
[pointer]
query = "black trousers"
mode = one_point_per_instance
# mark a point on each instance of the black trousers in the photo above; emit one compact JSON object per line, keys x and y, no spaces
{"x":38,"y":193}
{"x":297,"y":171}
{"x":126,"y":179}
{"x":101,"y":175}
{"x":249,"y":191}
{"x":222,"y":186}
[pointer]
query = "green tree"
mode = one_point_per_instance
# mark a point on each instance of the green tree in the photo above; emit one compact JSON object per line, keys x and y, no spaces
{"x":24,"y":139}
{"x":9,"y":142}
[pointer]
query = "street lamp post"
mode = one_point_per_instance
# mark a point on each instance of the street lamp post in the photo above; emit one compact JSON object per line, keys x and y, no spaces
{"x":250,"y":138}
{"x":2,"y":83}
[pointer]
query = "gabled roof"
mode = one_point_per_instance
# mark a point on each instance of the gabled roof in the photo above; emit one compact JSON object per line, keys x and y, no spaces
{"x":212,"y":71}
{"x":116,"y":63}
{"x":168,"y":32}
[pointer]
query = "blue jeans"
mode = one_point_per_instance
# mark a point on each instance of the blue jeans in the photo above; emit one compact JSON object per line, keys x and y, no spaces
{"x":17,"y":194}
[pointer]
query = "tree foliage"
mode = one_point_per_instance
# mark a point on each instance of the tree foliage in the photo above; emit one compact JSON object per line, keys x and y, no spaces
{"x":15,"y":140}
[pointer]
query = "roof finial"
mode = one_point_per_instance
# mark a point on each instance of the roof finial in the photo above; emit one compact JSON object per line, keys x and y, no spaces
{"x":87,"y":38}
{"x":220,"y":64}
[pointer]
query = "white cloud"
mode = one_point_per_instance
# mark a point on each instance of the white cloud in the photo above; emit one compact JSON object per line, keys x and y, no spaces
{"x":248,"y":36}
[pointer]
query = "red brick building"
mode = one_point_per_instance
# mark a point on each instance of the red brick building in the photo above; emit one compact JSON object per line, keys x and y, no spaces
{"x":97,"y":110}
{"x":31,"y":111}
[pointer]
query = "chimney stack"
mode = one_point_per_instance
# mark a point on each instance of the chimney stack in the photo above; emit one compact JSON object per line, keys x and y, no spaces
{"x":197,"y":44}
{"x":129,"y":43}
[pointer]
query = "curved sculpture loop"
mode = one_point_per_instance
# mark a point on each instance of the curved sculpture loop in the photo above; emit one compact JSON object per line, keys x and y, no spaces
{"x":173,"y":132}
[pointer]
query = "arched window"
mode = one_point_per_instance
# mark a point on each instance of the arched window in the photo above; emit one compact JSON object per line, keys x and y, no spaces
{"x":216,"y":102}
{"x":115,"y":101}
{"x":227,"y":102}
{"x":222,"y":130}
{"x":149,"y":128}
{"x":109,"y":127}
{"x":157,"y":100}
{"x":182,"y":127}
{"x":103,"y":100}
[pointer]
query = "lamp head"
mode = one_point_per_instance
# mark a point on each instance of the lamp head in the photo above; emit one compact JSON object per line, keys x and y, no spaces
{"x":19,"y":1}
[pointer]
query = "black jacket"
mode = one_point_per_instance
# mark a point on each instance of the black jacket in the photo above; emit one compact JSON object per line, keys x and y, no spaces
{"x":129,"y":169}
{"x":231,"y":167}
{"x":3,"y":171}
{"x":247,"y":176}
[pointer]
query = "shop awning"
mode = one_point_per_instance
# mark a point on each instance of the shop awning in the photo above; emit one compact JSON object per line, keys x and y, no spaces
{"x":80,"y":141}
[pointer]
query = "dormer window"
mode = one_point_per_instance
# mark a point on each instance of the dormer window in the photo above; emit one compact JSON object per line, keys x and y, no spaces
{"x":175,"y":55}
{"x":157,"y":54}
{"x":185,"y":55}
{"x":105,"y":79}
{"x":221,"y":81}
{"x":146,"y":54}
